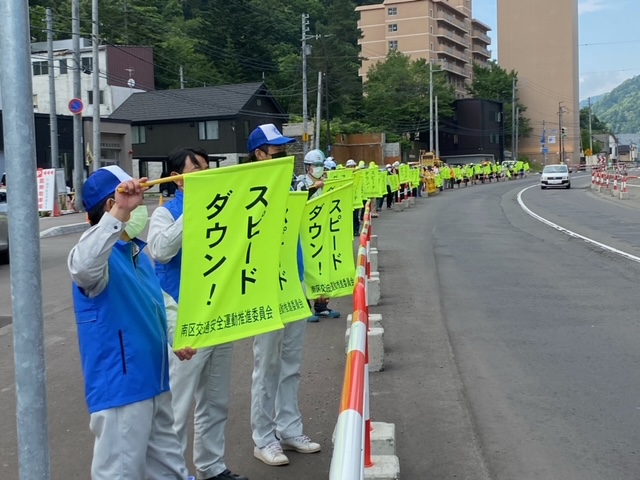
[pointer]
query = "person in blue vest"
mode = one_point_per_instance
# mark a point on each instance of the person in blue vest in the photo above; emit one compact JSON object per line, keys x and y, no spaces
{"x":207,"y":378}
{"x":122,"y":333}
{"x":276,"y":421}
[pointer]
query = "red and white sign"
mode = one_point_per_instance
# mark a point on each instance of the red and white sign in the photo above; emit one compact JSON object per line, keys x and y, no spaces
{"x":46,"y":189}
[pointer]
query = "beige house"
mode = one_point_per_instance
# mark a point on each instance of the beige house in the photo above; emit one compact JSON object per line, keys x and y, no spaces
{"x":440,"y":31}
{"x":539,"y":40}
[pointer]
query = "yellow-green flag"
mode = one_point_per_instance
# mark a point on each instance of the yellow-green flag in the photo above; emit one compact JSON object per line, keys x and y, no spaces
{"x":358,"y":198}
{"x":404,"y":172}
{"x":415,"y":177}
{"x":382,"y":184}
{"x":327,"y":244}
{"x":394,"y":182}
{"x":293,"y":304}
{"x":370,"y":183}
{"x":333,"y":184}
{"x":233,"y":221}
{"x":342,"y":173}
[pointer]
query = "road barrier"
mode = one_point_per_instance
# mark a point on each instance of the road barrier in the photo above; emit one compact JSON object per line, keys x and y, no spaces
{"x":353,"y":458}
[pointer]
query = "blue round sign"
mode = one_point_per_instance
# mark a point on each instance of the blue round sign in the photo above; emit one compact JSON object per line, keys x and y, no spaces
{"x":76,"y":106}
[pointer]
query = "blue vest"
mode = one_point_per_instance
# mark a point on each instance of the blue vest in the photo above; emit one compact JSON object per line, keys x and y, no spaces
{"x":169,"y":273}
{"x":122,"y":333}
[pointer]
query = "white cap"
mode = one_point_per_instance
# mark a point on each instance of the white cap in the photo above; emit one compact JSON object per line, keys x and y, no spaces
{"x":314,"y":157}
{"x":351,"y":163}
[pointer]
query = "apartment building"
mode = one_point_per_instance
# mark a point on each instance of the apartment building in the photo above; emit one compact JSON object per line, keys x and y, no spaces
{"x":544,"y":51}
{"x":440,"y":31}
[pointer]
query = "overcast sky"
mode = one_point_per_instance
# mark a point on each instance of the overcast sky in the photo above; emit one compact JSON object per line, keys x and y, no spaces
{"x":609,"y":41}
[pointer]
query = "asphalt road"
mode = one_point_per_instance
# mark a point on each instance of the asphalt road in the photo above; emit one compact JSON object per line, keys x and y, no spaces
{"x":511,"y":349}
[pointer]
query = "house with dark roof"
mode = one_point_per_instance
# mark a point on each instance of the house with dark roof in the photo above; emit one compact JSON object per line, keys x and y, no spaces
{"x":218,"y":119}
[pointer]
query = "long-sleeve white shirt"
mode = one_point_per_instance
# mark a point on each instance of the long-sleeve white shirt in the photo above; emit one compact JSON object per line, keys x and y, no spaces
{"x":88,"y":261}
{"x":165,"y":235}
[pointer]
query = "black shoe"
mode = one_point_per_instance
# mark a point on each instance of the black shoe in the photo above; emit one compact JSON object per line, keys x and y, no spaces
{"x":228,"y":475}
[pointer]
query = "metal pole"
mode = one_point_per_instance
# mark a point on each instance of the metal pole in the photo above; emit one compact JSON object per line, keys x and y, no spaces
{"x":24,"y":241}
{"x":544,"y":145}
{"x":517,"y":148}
{"x":181,"y":78}
{"x":513,"y":120}
{"x":430,"y":106}
{"x":560,"y":145}
{"x":78,"y":155}
{"x":53,"y":117}
{"x":326,"y":113}
{"x":590,"y":132}
{"x":95,"y":41}
{"x":305,"y":134}
{"x":436,"y":127}
{"x":318,"y":111}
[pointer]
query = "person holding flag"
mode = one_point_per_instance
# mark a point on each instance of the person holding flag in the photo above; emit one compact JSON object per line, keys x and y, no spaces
{"x":122,"y":332}
{"x":276,"y":421}
{"x":206,"y":379}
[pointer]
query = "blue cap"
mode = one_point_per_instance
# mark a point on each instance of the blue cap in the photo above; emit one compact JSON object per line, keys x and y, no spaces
{"x":267,"y":134}
{"x":101,"y":185}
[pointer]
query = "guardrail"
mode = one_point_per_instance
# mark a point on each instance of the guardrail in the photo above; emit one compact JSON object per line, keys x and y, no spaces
{"x":613,"y":183}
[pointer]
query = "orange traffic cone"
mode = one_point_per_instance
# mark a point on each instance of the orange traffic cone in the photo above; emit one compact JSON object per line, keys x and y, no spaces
{"x":56,"y":208}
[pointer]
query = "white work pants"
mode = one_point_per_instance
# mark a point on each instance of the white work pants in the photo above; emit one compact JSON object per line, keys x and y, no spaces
{"x":207,"y":378}
{"x":277,"y":357}
{"x":137,"y":442}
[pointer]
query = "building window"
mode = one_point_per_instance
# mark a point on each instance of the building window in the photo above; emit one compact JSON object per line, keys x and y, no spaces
{"x":90,"y":92}
{"x":431,"y":29}
{"x":259,"y":102}
{"x":138,"y":134}
{"x":393,"y":27}
{"x":498,"y":117}
{"x":432,"y":46}
{"x":247,"y":129}
{"x":208,"y":130}
{"x":393,"y":45}
{"x":431,"y":12}
{"x":87,"y":64}
{"x":35,"y":100}
{"x":392,"y":11}
{"x":455,"y":139}
{"x":63,"y":66}
{"x":40,"y":68}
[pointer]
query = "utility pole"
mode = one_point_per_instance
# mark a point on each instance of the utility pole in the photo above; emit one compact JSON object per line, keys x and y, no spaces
{"x":437,"y":129}
{"x":24,"y":241}
{"x":517,"y":144}
{"x":95,"y":42}
{"x":561,"y":131}
{"x":181,"y":78}
{"x":318,"y":111}
{"x":430,"y":106}
{"x":513,"y":120}
{"x":544,"y":137}
{"x":78,"y":154}
{"x":590,"y":132}
{"x":53,"y":116}
{"x":305,"y":134}
{"x":326,"y":112}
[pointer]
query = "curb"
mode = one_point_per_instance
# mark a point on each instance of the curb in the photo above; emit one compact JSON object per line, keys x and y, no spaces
{"x":64,"y":230}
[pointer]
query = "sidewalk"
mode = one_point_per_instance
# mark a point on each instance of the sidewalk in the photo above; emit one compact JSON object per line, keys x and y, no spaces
{"x":77,"y":222}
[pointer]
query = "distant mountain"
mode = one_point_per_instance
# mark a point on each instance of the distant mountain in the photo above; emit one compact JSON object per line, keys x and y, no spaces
{"x":594,"y":100}
{"x":620,"y":108}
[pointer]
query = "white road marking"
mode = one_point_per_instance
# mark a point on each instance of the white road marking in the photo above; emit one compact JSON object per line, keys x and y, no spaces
{"x":568,"y":232}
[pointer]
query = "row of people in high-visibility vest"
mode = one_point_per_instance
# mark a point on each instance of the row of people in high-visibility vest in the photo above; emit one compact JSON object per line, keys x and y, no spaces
{"x":447,"y":176}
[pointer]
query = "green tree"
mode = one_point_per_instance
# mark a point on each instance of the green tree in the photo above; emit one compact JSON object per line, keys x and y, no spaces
{"x":495,"y":83}
{"x":597,"y":126}
{"x":397,"y":94}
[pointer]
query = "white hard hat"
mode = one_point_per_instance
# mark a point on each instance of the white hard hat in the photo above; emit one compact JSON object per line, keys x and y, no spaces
{"x":314,"y":157}
{"x":396,"y":164}
{"x":329,"y":164}
{"x":388,"y":165}
{"x":351,"y":163}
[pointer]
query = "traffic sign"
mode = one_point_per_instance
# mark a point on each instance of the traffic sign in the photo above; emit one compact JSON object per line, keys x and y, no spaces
{"x":544,"y":150}
{"x":76,"y":106}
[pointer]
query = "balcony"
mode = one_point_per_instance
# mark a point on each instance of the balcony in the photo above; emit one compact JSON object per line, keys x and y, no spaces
{"x":452,"y":37}
{"x":453,"y":21}
{"x":483,"y":52}
{"x":456,"y":69}
{"x":475,"y":34}
{"x":454,"y":53}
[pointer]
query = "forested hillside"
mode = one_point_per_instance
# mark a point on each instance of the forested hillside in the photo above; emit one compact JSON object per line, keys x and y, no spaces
{"x":229,"y":41}
{"x":620,"y":108}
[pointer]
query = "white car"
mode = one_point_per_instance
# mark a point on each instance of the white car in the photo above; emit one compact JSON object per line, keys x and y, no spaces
{"x":555,"y":176}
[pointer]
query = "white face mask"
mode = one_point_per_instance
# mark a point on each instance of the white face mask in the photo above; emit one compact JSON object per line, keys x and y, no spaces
{"x":137,"y":221}
{"x":317,"y":172}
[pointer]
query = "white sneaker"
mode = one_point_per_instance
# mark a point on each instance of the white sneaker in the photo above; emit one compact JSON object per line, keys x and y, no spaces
{"x":271,"y":454}
{"x":301,"y":444}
